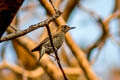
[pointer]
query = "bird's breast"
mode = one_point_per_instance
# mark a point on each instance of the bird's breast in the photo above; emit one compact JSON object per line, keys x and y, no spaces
{"x":57,"y":41}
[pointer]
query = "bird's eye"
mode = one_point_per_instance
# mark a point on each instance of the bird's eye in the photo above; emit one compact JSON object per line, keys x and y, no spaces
{"x":65,"y":27}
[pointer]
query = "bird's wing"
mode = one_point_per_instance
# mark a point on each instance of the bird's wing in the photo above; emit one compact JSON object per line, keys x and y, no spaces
{"x":37,"y":48}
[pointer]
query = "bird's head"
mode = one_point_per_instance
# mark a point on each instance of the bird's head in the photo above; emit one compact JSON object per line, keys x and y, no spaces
{"x":65,"y":28}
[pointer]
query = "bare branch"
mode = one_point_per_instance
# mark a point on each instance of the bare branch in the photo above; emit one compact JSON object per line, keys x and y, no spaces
{"x":36,"y":72}
{"x":105,"y":31}
{"x":31,"y":28}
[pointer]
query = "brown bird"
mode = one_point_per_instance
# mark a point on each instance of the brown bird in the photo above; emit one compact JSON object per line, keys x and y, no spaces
{"x":58,"y":38}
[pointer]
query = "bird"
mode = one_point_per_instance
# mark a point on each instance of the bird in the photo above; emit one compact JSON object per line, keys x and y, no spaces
{"x":58,"y":39}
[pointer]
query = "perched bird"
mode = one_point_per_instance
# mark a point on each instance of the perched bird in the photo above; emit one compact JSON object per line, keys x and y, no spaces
{"x":58,"y":38}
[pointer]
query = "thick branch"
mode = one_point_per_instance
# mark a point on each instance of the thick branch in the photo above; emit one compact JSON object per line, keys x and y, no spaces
{"x":116,"y":5}
{"x":37,"y":72}
{"x":17,"y":69}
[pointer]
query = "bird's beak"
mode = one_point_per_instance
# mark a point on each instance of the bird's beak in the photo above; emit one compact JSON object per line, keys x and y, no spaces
{"x":72,"y":27}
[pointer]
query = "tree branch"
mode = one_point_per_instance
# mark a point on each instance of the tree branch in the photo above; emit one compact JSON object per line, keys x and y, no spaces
{"x":31,"y":28}
{"x":20,"y":70}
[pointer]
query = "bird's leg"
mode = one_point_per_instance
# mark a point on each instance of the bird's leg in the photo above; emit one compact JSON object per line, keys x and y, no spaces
{"x":54,"y":55}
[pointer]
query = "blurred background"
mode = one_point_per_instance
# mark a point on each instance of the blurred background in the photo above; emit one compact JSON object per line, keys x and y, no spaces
{"x":84,"y":15}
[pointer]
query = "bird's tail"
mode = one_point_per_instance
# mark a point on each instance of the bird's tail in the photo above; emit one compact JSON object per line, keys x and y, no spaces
{"x":40,"y":56}
{"x":35,"y":49}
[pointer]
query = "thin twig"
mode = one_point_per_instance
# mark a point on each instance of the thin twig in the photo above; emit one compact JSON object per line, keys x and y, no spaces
{"x":55,"y":51}
{"x":51,"y":41}
{"x":13,"y":28}
{"x":52,"y":5}
{"x":92,"y":13}
{"x":31,"y":28}
{"x":97,"y":55}
{"x":102,"y":39}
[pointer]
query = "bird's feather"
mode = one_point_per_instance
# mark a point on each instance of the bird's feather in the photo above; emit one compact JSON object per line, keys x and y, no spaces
{"x":37,"y":48}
